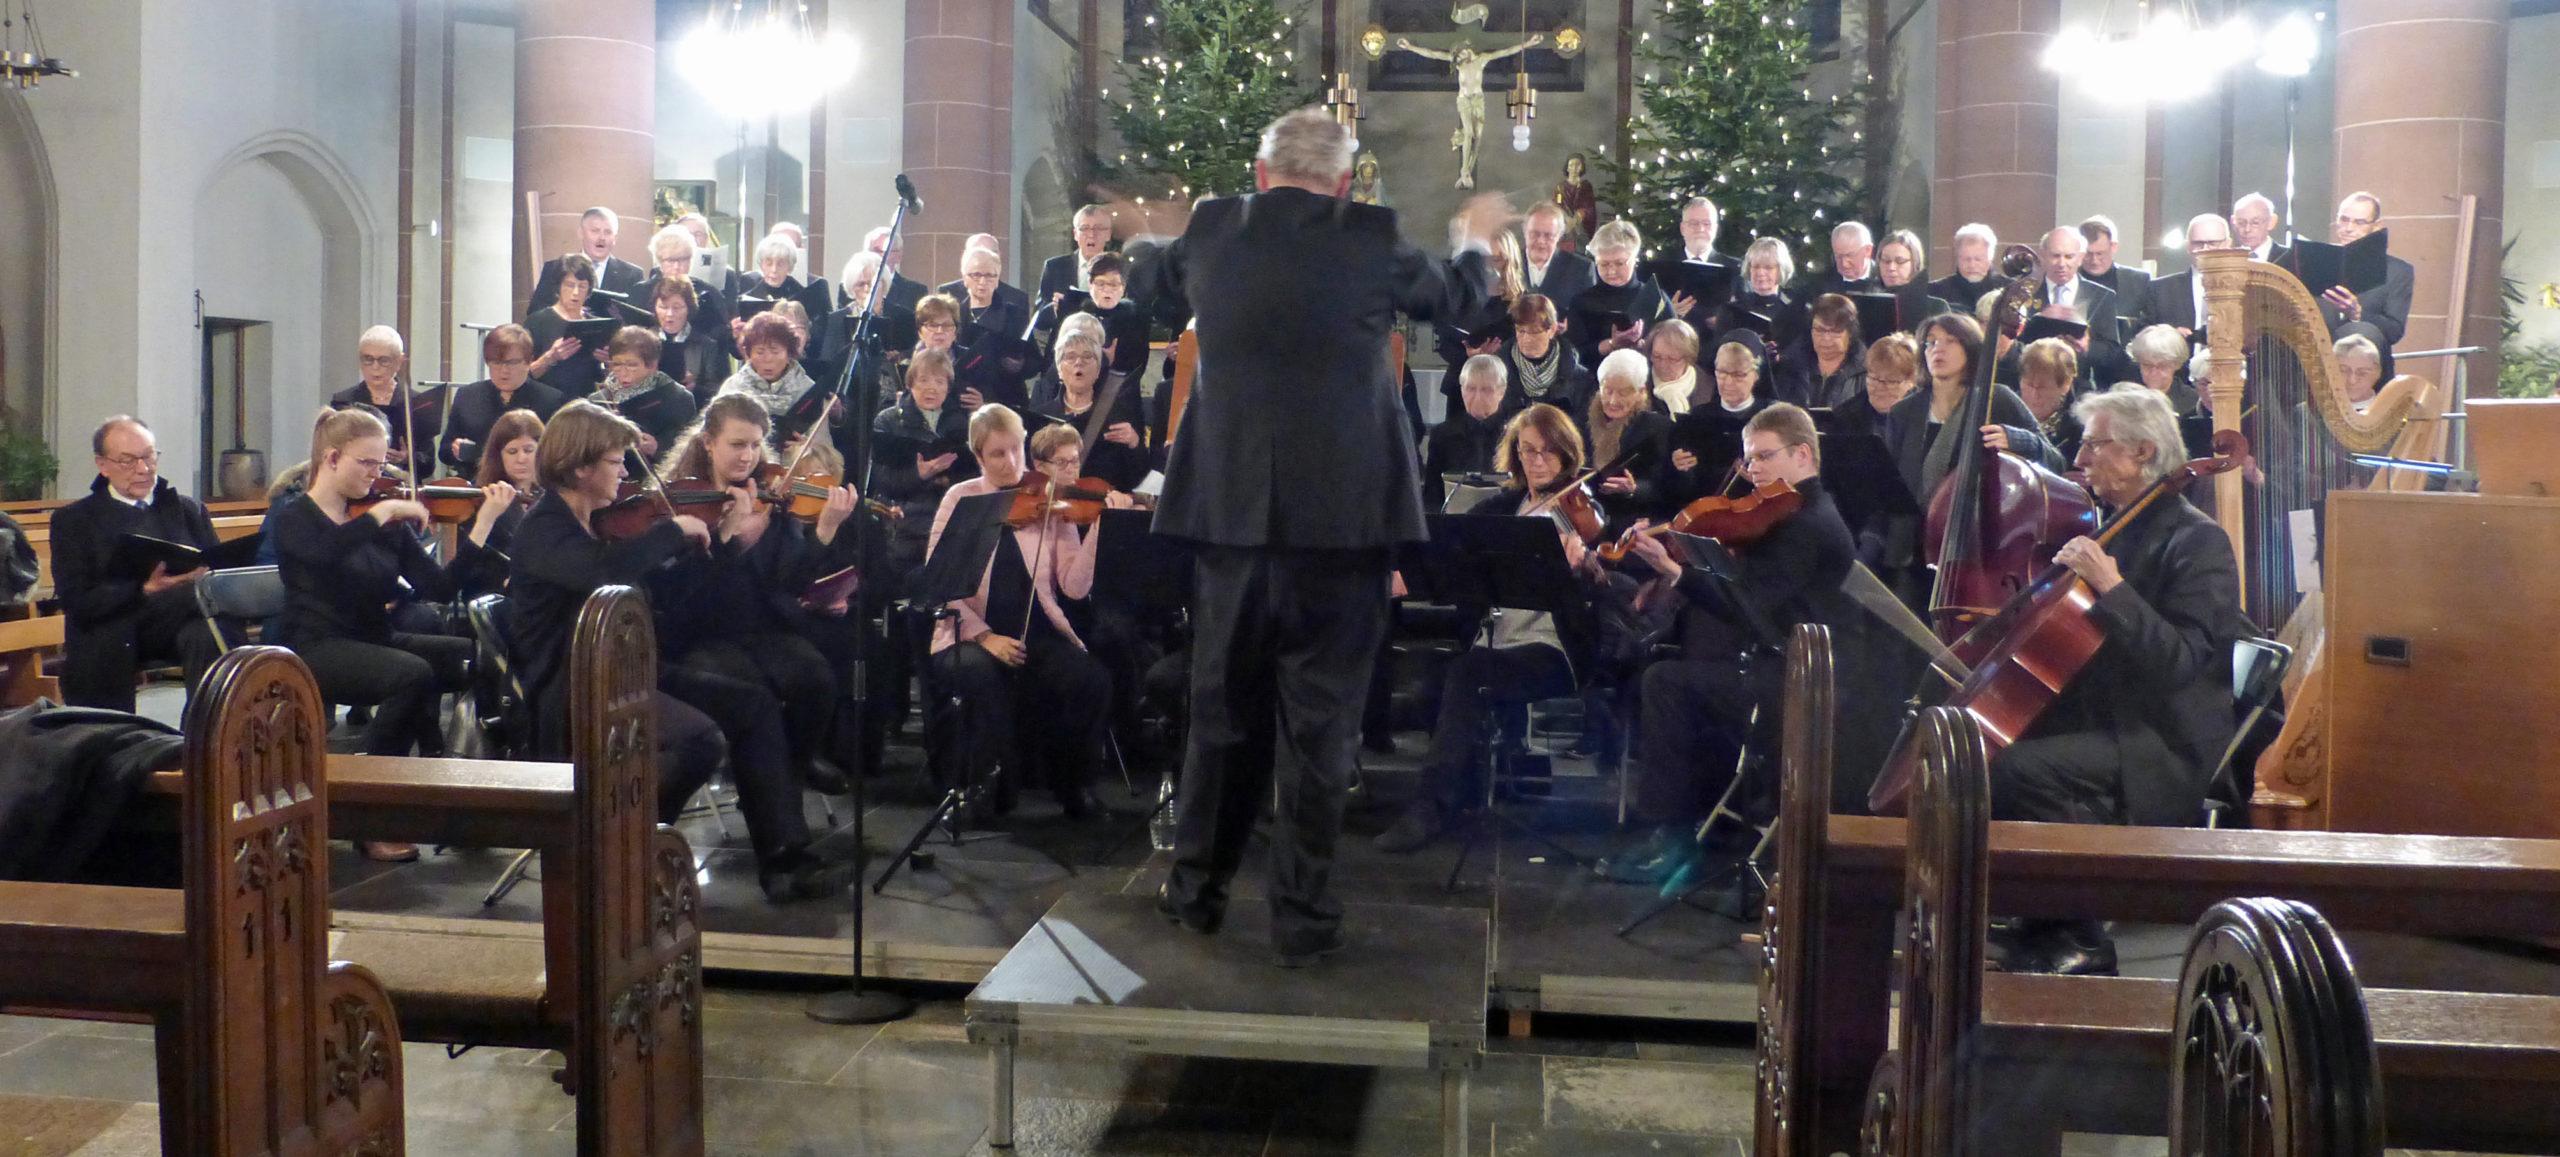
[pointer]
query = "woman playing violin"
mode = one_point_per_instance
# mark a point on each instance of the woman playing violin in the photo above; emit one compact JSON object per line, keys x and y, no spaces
{"x":743,"y":620}
{"x":1024,"y":680}
{"x":703,"y":719}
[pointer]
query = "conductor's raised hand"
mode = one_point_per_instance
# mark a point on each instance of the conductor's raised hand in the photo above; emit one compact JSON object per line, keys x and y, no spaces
{"x":1483,"y":218}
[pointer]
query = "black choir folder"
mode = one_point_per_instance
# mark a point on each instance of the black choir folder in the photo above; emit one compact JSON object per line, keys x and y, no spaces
{"x":136,"y":554}
{"x":2358,"y":264}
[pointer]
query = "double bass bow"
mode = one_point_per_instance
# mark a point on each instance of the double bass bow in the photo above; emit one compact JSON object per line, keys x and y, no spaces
{"x":2038,"y":642}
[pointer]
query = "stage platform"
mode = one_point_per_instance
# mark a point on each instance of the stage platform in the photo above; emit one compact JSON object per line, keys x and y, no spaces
{"x":1553,"y":946}
{"x":1406,"y":991}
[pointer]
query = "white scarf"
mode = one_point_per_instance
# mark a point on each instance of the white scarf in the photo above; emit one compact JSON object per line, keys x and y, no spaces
{"x":1675,"y":392}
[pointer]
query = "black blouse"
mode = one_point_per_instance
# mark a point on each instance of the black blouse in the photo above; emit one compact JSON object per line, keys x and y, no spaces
{"x":340,"y":577}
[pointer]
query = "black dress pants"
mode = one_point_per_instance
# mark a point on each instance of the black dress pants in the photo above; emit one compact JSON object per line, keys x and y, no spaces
{"x":691,"y":749}
{"x":1282,"y":645}
{"x":790,"y":669}
{"x":1476,"y":684}
{"x":403,"y":682}
{"x":749,"y":719}
{"x":2072,"y":778}
{"x":1049,"y":713}
{"x":100,"y":667}
{"x":1696,"y":717}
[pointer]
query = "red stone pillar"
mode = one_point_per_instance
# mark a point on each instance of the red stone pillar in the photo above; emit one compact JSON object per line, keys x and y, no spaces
{"x":2421,"y":137}
{"x":1998,"y":113}
{"x":959,"y":129}
{"x":586,"y":122}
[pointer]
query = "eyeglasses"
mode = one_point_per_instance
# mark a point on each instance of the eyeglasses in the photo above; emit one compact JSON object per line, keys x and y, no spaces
{"x":1525,"y":450}
{"x":1764,"y":457}
{"x":378,"y":360}
{"x":371,"y":465}
{"x":977,"y":277}
{"x":937,"y":326}
{"x":1079,"y":357}
{"x":2098,"y":443}
{"x":1070,"y":461}
{"x":129,"y":461}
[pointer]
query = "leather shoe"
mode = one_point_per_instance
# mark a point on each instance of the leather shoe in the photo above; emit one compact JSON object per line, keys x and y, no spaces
{"x":801,"y":876}
{"x":1204,"y":921}
{"x":1414,"y":830}
{"x":1657,"y":858}
{"x":2080,"y":949}
{"x":1305,"y":953}
{"x":824,"y":777}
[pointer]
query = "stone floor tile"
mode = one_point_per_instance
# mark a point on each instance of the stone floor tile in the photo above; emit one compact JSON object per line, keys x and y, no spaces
{"x":761,"y":1044}
{"x":776,"y":1117}
{"x":1509,"y":1089}
{"x":1648,"y":1096}
{"x":1558,"y":1141}
{"x":497,"y":1090}
{"x":1065,"y":1127}
{"x":98,"y":1067}
{"x":1369,"y":1137}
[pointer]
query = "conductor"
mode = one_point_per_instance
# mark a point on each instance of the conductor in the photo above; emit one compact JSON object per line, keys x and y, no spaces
{"x":1294,"y":476}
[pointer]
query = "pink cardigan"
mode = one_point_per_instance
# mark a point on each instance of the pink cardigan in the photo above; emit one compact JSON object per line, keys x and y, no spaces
{"x":1068,"y":565}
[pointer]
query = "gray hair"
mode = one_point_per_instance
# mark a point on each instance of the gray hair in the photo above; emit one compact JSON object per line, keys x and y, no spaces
{"x":1619,"y":236}
{"x":1306,"y":145}
{"x":980,"y":253}
{"x":2367,"y":198}
{"x":2200,"y":368}
{"x":2098,"y":225}
{"x":2137,"y":416}
{"x":382,"y":335}
{"x":611,"y":219}
{"x":1082,"y":329}
{"x":1626,"y":367}
{"x":1855,"y":229}
{"x":857,"y":261}
{"x":1092,"y":211}
{"x":2257,"y":199}
{"x":1693,"y":203}
{"x":98,"y":437}
{"x":2156,"y":344}
{"x":1977,"y":231}
{"x":1773,"y":251}
{"x":2356,"y":345}
{"x":776,"y":245}
{"x":2214,"y":219}
{"x":1483,"y":368}
{"x":667,"y":242}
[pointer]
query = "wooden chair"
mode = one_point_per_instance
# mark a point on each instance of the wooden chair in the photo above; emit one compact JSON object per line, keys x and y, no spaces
{"x":265,"y":1046}
{"x":2275,"y":1052}
{"x":616,"y":982}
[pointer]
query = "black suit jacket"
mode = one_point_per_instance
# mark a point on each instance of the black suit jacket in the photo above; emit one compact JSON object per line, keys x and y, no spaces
{"x":1567,"y":276}
{"x":1962,"y":295}
{"x":2132,"y":287}
{"x":1057,"y":276}
{"x":1792,"y":575}
{"x":1295,"y":434}
{"x":2097,"y":305}
{"x":617,"y":275}
{"x":2160,"y":685}
{"x":2171,"y":302}
{"x":2386,"y":306}
{"x":903,"y":292}
{"x":105,"y":611}
{"x":476,"y":407}
{"x":1007,"y":294}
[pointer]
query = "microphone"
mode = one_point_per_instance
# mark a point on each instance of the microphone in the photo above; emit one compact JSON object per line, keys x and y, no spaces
{"x":907,"y":193}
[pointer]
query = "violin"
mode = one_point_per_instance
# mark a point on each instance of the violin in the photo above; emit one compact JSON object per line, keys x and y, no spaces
{"x":1731,"y":521}
{"x":446,"y":499}
{"x":804,"y":496}
{"x":1039,"y":497}
{"x":1577,"y":505}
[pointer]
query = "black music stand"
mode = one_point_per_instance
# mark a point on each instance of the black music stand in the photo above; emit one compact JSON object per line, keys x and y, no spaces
{"x":1148,"y":575}
{"x":1507,"y":563}
{"x":953,"y":571}
{"x":1863,"y":478}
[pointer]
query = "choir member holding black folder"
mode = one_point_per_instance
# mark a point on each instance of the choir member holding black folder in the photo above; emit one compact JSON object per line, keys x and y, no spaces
{"x":508,"y":352}
{"x":1542,"y":368}
{"x":978,"y":373}
{"x":125,"y":561}
{"x":1622,"y":308}
{"x":2356,"y":278}
{"x":1071,"y":391}
{"x":571,"y":339}
{"x":920,"y":446}
{"x":1761,"y":303}
{"x":381,"y":355}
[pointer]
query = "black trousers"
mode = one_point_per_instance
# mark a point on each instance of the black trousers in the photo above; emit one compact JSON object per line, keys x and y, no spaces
{"x":2073,"y":778}
{"x":790,"y":669}
{"x":403,"y":682}
{"x":1048,"y":713}
{"x":1476,"y":684}
{"x":749,"y":719}
{"x":1696,"y":715}
{"x":1283,"y":640}
{"x":99,"y":665}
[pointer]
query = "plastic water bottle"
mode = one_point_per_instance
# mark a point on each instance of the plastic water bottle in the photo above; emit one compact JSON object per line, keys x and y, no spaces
{"x":1160,"y":825}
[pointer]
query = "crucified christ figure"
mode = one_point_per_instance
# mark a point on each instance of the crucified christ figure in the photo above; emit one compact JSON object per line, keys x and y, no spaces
{"x":1470,"y":69}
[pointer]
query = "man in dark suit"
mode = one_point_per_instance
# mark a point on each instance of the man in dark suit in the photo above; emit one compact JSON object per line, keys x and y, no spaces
{"x":2253,"y":227}
{"x":120,"y":621}
{"x":2177,"y":300}
{"x":1068,"y":270}
{"x":2135,"y":738}
{"x":596,"y":231}
{"x":903,"y":291}
{"x":1700,"y":220}
{"x":2060,"y":283}
{"x":1559,"y":276}
{"x":2385,"y":306}
{"x":1295,"y":290}
{"x":2132,"y":286}
{"x":1976,"y":250}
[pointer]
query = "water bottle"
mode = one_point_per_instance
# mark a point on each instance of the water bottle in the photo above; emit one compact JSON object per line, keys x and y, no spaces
{"x":1160,"y":824}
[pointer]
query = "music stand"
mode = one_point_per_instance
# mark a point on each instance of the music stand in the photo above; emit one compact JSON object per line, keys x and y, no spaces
{"x":1148,"y":575}
{"x":955,"y":569}
{"x":1508,"y":563}
{"x":1863,"y":478}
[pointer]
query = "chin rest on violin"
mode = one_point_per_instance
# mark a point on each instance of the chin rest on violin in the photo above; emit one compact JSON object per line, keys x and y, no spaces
{"x":1731,"y":521}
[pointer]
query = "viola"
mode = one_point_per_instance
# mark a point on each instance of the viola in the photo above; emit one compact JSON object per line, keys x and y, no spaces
{"x":2026,"y":654}
{"x":1039,"y":497}
{"x":1731,"y":521}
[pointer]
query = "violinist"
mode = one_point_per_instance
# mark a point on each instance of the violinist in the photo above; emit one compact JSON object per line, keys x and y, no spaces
{"x":743,"y":620}
{"x":703,"y":719}
{"x":343,"y":566}
{"x":1620,"y":422}
{"x":1699,"y":708}
{"x":1023,"y":678}
{"x":1707,"y":439}
{"x":1466,"y":441}
{"x":637,"y":389}
{"x":508,"y":352}
{"x":1522,"y":658}
{"x":2136,"y":737}
{"x":1070,"y":391}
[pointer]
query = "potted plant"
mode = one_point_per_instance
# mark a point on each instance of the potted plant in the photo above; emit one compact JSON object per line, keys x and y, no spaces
{"x":27,"y":464}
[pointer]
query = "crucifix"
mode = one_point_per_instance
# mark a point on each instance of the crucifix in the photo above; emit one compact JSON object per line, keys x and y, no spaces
{"x":1469,"y":66}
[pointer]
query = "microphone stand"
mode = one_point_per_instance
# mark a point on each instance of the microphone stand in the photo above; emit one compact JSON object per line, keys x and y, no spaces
{"x":858,"y":390}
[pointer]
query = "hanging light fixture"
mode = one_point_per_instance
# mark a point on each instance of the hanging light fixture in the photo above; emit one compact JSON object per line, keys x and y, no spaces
{"x":766,"y":61}
{"x":1522,"y":100}
{"x":23,"y":61}
{"x":1344,"y":100}
{"x":2165,"y":54}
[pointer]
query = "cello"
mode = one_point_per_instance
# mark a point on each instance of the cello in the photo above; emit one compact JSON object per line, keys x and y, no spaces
{"x":2037,"y":643}
{"x":1995,"y":520}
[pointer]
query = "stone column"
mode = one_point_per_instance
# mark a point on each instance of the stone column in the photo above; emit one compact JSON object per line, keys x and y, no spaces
{"x":1998,"y":113}
{"x":2421,"y":120}
{"x":586,"y":123}
{"x":959,"y":129}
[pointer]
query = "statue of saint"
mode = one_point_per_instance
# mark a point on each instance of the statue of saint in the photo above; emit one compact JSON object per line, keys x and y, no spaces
{"x":1366,"y":187}
{"x":1580,"y":201}
{"x":1470,"y":69}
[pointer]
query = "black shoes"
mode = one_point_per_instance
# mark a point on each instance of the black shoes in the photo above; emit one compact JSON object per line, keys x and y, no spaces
{"x":1659,"y":856}
{"x":1202,"y":919}
{"x":798,"y":875}
{"x":824,"y":777}
{"x":1420,"y":824}
{"x":1305,"y":953}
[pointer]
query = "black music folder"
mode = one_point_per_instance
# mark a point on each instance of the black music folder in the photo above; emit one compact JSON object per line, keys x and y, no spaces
{"x":135,"y":554}
{"x":1708,"y":286}
{"x":749,"y":306}
{"x":2041,"y":327}
{"x":1879,"y":314}
{"x":592,"y":332}
{"x":2357,"y":265}
{"x":1864,"y":480}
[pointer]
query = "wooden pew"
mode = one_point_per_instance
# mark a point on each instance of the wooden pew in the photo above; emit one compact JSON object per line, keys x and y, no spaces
{"x":2469,"y":1071}
{"x":24,"y":645}
{"x":616,"y":984}
{"x":265,"y":1046}
{"x":2275,"y":1048}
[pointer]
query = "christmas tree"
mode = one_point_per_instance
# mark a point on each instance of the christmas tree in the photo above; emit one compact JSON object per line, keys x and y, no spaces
{"x":1201,"y":79}
{"x":1724,"y":110}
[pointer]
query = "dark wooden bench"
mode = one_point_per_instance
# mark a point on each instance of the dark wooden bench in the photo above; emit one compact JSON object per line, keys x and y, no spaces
{"x":2466,"y":1071}
{"x":265,"y":1046}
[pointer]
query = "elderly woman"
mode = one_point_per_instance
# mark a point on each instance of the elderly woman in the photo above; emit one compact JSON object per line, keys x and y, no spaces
{"x":1892,"y":371}
{"x":380,"y":356}
{"x":832,"y":333}
{"x":1008,"y":653}
{"x":772,"y":373}
{"x":2161,"y":355}
{"x":772,"y":280}
{"x":992,"y":317}
{"x":565,"y":364}
{"x":637,"y":389}
{"x":2047,"y":370}
{"x":1828,"y":368}
{"x":1070,"y":390}
{"x":2359,"y":368}
{"x":1767,"y":267}
{"x":1706,"y":442}
{"x":979,"y":376}
{"x":677,"y":257}
{"x":1620,"y":308}
{"x":1621,"y":421}
{"x":696,"y":356}
{"x":508,"y":352}
{"x":1673,"y":355}
{"x":1542,"y":369}
{"x":1464,"y":442}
